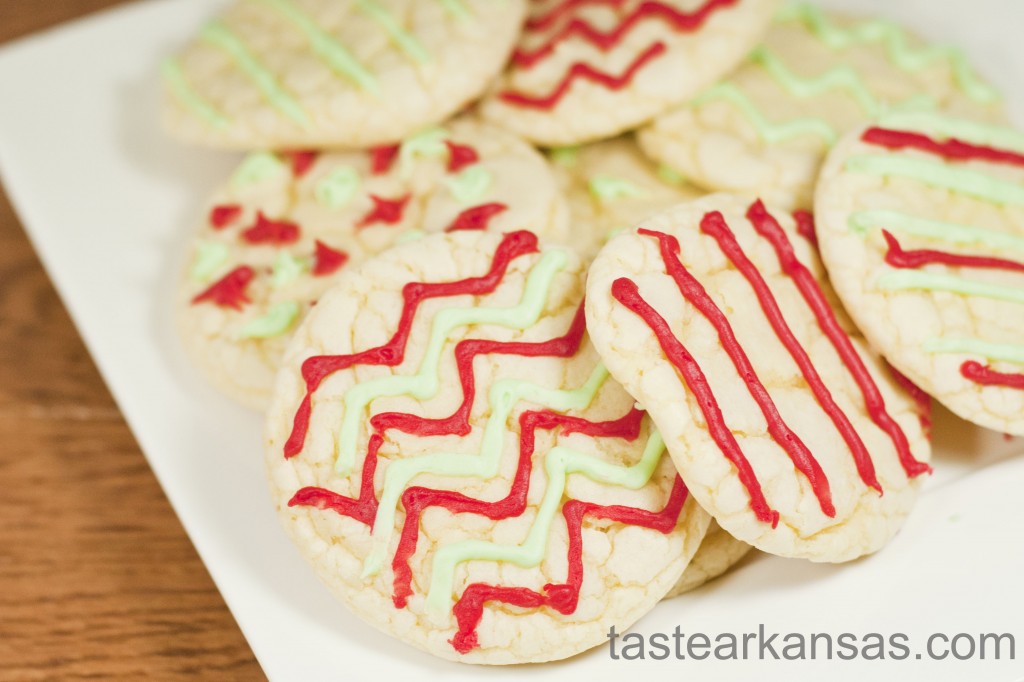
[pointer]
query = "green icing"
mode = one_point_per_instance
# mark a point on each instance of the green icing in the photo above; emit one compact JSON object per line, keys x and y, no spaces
{"x":176,"y":80}
{"x":334,"y":54}
{"x":406,"y":42}
{"x":410,"y":236}
{"x":471,"y":184}
{"x":963,"y":180}
{"x":900,"y":54}
{"x":962,"y":129}
{"x":287,"y":269}
{"x":424,"y":144}
{"x":502,"y":398}
{"x":1009,"y":352}
{"x":768,"y":131}
{"x":840,"y":78}
{"x":609,"y":188}
{"x":210,"y":256}
{"x":457,"y":9}
{"x":670,"y":176}
{"x":425,"y":383}
{"x":955,"y":233}
{"x":218,"y":35}
{"x":338,"y":187}
{"x":259,"y":167}
{"x":934,"y":281}
{"x":565,"y":156}
{"x":559,"y":463}
{"x":275,"y":322}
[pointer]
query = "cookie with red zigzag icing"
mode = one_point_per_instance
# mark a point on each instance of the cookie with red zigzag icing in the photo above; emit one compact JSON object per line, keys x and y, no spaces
{"x":585,"y":70}
{"x":716,"y":316}
{"x":277,"y":233}
{"x":921,"y":222}
{"x":765,"y":130}
{"x":718,"y":552}
{"x":450,"y":455}
{"x":280,"y":74}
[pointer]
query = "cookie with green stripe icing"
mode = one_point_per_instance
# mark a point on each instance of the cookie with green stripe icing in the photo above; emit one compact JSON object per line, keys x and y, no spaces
{"x":450,"y":455}
{"x":278,"y":232}
{"x":765,"y":130}
{"x":277,"y":74}
{"x":921,"y":223}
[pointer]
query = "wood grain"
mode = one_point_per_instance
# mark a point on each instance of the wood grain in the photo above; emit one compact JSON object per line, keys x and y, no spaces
{"x":97,"y":577}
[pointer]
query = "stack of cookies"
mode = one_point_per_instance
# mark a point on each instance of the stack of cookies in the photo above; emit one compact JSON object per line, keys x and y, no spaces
{"x":557,"y":308}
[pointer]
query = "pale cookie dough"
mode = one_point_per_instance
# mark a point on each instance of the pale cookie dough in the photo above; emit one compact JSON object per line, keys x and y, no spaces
{"x":766,"y":129}
{"x":520,"y":503}
{"x":279,"y":74}
{"x":325,"y":212}
{"x":787,"y":432}
{"x":585,"y":71}
{"x":921,"y":221}
{"x":610,"y":186}
{"x":718,"y":552}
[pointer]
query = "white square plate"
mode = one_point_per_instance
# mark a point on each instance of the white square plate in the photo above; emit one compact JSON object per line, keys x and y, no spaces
{"x":109,"y":203}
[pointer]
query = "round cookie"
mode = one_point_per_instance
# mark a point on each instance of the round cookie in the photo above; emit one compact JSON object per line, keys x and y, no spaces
{"x":445,"y":396}
{"x":585,"y":71}
{"x":718,"y":552}
{"x":715,"y":315}
{"x":280,"y":229}
{"x":921,"y":220}
{"x":766,"y":129}
{"x":610,"y":186}
{"x":279,"y":74}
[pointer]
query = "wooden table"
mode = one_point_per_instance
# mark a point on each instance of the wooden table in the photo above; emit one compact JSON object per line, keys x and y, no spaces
{"x":97,"y":577}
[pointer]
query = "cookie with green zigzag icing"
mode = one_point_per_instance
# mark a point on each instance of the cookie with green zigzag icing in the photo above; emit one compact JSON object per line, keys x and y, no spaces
{"x":283,"y":74}
{"x":786,"y":428}
{"x":277,"y":233}
{"x":921,"y":223}
{"x":611,"y":185}
{"x":765,"y":130}
{"x":718,"y":552}
{"x":586,"y":71}
{"x":447,"y":451}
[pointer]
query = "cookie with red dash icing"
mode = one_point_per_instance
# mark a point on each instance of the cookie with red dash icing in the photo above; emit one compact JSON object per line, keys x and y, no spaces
{"x":448,"y":452}
{"x":284,"y":225}
{"x":585,"y":70}
{"x":280,"y":74}
{"x":921,"y":222}
{"x":718,"y":552}
{"x":786,"y":428}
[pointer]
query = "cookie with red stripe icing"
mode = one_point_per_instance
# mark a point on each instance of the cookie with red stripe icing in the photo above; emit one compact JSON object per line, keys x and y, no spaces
{"x":584,"y":70}
{"x":278,"y":74}
{"x":716,"y":316}
{"x":276,"y":235}
{"x":448,"y":452}
{"x":921,"y":222}
{"x":766,"y":129}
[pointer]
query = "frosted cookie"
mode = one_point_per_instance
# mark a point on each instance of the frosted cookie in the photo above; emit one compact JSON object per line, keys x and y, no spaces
{"x":448,"y":452}
{"x":584,"y":71}
{"x":715,"y":315}
{"x":766,"y":129}
{"x":922,"y":230}
{"x":610,"y":186}
{"x":273,"y":74}
{"x":277,"y":233}
{"x":718,"y":552}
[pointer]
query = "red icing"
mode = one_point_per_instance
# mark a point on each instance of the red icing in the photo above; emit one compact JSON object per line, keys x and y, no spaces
{"x":382,"y":158}
{"x":587,"y":72}
{"x":606,"y":40}
{"x":229,"y":290}
{"x":302,"y":161}
{"x":318,"y":368}
{"x":460,"y":156}
{"x":563,"y":8}
{"x":387,"y":211}
{"x":267,"y":231}
{"x":810,"y":290}
{"x":223,"y":215}
{"x":987,"y":376}
{"x":626,"y":292}
{"x":923,"y":400}
{"x":898,"y":258}
{"x":561,"y":597}
{"x":951,"y":149}
{"x":476,"y":217}
{"x":363,"y":508}
{"x":805,"y":226}
{"x":327,"y":260}
{"x":714,"y":225}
